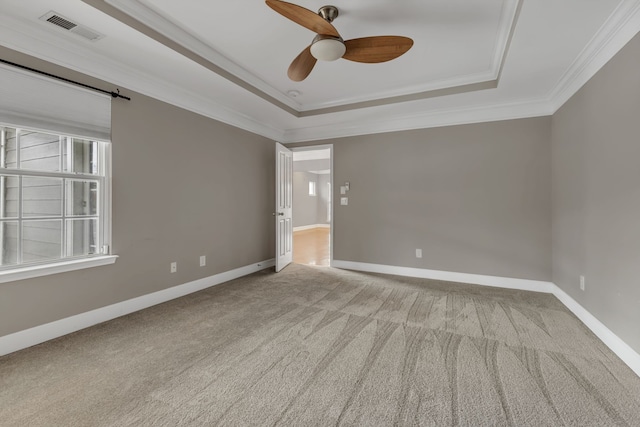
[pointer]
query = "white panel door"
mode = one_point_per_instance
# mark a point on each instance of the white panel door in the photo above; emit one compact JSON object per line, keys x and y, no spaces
{"x":284,"y":204}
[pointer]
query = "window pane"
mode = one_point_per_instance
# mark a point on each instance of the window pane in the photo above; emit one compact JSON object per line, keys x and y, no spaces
{"x":81,"y":156}
{"x":9,"y":237}
{"x":41,"y":240}
{"x":82,"y":198}
{"x":39,"y":151}
{"x":10,"y":150}
{"x":82,"y":237}
{"x":41,"y":196}
{"x":9,"y":196}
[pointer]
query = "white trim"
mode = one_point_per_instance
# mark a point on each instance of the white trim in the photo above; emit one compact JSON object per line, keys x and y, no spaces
{"x":39,"y":334}
{"x":628,"y":355}
{"x":59,"y":267}
{"x":610,"y":339}
{"x":505,"y":33}
{"x":621,"y":26}
{"x":310,"y":227}
{"x":449,"y":276}
{"x":422,"y":120}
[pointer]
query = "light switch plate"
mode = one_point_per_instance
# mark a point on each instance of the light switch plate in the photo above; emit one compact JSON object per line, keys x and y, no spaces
{"x":344,"y":201}
{"x":343,"y":189}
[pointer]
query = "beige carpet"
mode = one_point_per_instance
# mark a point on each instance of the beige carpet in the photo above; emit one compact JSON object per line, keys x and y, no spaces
{"x":317,"y":346}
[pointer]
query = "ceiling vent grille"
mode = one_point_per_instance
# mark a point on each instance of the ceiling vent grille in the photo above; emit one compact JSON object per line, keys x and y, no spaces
{"x":70,"y":26}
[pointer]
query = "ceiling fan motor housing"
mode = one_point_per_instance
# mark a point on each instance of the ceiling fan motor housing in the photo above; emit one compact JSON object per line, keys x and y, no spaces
{"x":327,"y":48}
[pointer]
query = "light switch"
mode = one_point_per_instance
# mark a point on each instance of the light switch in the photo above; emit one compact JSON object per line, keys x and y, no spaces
{"x":343,"y":189}
{"x":344,"y":201}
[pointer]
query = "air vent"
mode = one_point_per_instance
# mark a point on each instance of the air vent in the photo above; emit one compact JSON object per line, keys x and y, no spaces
{"x":70,"y":26}
{"x":61,"y":22}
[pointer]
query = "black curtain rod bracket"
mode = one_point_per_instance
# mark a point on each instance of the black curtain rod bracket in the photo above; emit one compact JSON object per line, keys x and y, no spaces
{"x":97,"y":89}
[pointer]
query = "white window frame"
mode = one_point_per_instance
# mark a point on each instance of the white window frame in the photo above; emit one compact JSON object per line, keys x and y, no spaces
{"x":26,"y":271}
{"x":313,"y":188}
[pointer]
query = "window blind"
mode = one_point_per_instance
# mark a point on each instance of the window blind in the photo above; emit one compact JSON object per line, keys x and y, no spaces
{"x":38,"y":102}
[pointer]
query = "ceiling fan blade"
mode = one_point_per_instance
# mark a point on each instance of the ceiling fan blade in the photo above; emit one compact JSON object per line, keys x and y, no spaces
{"x":376,"y":49}
{"x":304,"y":17}
{"x":302,"y":65}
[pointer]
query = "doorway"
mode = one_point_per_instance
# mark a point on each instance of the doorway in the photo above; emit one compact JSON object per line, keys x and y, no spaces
{"x":313,"y":205}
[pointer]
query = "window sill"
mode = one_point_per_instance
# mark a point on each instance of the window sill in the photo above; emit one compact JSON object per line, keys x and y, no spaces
{"x":58,"y":267}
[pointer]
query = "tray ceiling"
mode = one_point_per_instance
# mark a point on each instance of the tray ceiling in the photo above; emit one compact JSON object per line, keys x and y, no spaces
{"x":471,"y":61}
{"x":458,"y":44}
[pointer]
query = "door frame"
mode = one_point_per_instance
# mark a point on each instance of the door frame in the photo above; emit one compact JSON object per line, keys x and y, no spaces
{"x":332,"y":222}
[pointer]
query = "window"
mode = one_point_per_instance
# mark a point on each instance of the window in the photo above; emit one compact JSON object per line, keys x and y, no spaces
{"x":52,"y":197}
{"x":312,"y":188}
{"x":54,"y":176}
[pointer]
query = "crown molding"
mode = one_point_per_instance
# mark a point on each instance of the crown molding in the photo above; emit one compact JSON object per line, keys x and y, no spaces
{"x":30,"y":38}
{"x":508,"y":21}
{"x":621,"y":26}
{"x":145,"y":13}
{"x":454,"y":85}
{"x":430,"y":119}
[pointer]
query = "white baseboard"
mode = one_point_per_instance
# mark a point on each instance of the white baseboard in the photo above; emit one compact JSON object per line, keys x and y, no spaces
{"x":36,"y":335}
{"x":610,"y":339}
{"x":449,"y":276}
{"x":39,"y":334}
{"x":309,"y":227}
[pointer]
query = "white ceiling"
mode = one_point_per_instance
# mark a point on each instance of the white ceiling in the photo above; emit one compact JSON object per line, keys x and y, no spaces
{"x":228,"y":60}
{"x":461,"y":42}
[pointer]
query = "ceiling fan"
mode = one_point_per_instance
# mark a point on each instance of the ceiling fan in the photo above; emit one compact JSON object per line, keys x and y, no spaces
{"x":327,"y":45}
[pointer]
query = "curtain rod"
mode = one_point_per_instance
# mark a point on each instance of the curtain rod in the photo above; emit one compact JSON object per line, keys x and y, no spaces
{"x":113,"y":94}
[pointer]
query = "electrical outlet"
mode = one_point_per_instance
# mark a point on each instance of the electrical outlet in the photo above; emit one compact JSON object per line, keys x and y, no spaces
{"x":418,"y":253}
{"x":174,"y":267}
{"x":203,"y":260}
{"x":582,"y":285}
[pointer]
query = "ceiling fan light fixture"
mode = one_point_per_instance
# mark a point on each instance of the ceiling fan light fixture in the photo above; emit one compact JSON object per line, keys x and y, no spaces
{"x":328,"y":48}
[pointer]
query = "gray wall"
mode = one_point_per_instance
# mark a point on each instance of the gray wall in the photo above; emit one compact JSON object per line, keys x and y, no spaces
{"x":324,"y":199}
{"x":596,"y":195}
{"x":475,"y":198}
{"x":178,"y":193}
{"x":305,"y":207}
